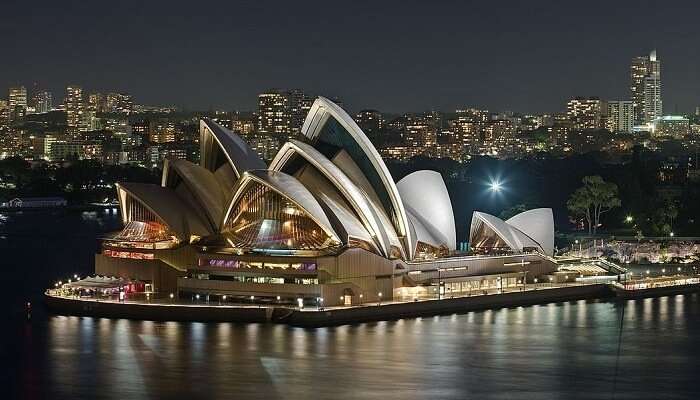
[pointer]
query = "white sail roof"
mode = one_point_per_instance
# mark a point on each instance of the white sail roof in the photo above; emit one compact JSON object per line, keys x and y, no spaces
{"x":329,"y":124}
{"x":427,"y":201}
{"x":166,"y":205}
{"x":517,"y":236}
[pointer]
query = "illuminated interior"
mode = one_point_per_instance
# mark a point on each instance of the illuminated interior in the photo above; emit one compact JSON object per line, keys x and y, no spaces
{"x":264,"y":219}
{"x":485,"y":239}
{"x":425,"y":251}
{"x":143,"y":229}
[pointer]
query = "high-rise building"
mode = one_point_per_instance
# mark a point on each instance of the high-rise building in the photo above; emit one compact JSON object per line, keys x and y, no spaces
{"x":43,"y":102}
{"x":75,"y":108}
{"x":586,"y":113}
{"x":645,"y":88}
{"x":17,"y":97}
{"x":273,"y":117}
{"x":282,"y":112}
{"x":620,"y":116}
{"x":17,"y":102}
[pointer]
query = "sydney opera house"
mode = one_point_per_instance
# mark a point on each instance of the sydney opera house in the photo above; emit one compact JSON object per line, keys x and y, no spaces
{"x":325,"y":219}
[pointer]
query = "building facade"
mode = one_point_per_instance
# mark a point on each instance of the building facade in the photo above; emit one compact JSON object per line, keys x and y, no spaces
{"x":620,"y":116}
{"x":324,"y":221}
{"x":645,"y":88}
{"x":586,"y":113}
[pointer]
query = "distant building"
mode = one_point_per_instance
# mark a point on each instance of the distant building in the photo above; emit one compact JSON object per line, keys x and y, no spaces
{"x":273,"y":118}
{"x":163,"y":132}
{"x":17,"y":102}
{"x":97,"y":102}
{"x":370,"y":121}
{"x":672,"y":126}
{"x":43,"y":102}
{"x":75,"y":109}
{"x":645,"y":88}
{"x":119,"y":103}
{"x":243,"y":126}
{"x":17,"y":97}
{"x":586,"y":113}
{"x":620,"y":116}
{"x":282,"y":112}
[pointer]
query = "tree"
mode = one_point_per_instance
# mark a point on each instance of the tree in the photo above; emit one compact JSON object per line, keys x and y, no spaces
{"x":592,"y":200}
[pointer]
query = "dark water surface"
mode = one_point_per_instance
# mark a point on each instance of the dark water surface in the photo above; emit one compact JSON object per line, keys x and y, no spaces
{"x":566,"y":350}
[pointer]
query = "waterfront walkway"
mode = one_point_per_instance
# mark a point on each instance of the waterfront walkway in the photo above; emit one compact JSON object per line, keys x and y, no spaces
{"x":166,"y":309}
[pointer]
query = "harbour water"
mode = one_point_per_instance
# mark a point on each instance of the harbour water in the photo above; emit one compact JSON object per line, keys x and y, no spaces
{"x":639,"y":349}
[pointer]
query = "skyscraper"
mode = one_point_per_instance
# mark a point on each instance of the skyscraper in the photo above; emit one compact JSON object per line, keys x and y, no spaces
{"x":75,"y":108}
{"x":273,"y":117}
{"x":17,"y":97}
{"x":645,"y":88}
{"x":620,"y":116}
{"x":17,"y":102}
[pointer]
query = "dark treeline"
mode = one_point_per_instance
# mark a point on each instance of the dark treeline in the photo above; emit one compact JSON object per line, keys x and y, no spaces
{"x":80,"y":181}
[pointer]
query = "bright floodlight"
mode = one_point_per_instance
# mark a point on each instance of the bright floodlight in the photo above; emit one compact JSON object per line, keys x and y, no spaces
{"x":496,"y":186}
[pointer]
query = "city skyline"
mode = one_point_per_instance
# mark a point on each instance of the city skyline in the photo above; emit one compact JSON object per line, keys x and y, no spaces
{"x":449,"y":56}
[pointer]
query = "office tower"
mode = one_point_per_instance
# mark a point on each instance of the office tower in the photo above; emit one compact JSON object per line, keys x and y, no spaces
{"x":273,"y":118}
{"x":645,"y":88}
{"x":586,"y":113}
{"x":17,"y":102}
{"x":17,"y":97}
{"x":43,"y":102}
{"x":620,"y":116}
{"x":75,"y":109}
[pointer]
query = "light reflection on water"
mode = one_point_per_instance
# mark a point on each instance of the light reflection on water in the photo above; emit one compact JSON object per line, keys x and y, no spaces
{"x":564,"y":349}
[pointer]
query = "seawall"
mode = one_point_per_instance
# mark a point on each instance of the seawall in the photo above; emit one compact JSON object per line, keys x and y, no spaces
{"x":314,"y":318}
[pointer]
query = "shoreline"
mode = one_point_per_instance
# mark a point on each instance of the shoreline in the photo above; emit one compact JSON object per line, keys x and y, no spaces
{"x":334,"y":316}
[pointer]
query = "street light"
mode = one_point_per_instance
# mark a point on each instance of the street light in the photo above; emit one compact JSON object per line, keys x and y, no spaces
{"x":496,"y":186}
{"x":629,"y":219}
{"x":380,"y":299}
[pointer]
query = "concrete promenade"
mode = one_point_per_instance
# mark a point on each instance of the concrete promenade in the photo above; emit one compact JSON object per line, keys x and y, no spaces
{"x":174,"y":310}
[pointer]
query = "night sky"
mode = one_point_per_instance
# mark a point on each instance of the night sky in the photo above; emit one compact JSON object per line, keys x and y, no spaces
{"x":527,"y":56}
